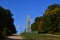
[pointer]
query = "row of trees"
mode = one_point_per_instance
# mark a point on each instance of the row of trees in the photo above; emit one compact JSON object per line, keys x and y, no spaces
{"x":6,"y":22}
{"x":49,"y":22}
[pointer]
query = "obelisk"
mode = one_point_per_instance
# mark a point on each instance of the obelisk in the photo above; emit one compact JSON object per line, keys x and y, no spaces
{"x":28,"y":28}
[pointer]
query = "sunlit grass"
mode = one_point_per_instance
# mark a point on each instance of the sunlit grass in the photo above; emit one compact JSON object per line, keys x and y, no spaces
{"x":29,"y":36}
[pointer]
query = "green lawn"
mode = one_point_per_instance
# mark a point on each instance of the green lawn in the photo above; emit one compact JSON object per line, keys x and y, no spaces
{"x":39,"y":37}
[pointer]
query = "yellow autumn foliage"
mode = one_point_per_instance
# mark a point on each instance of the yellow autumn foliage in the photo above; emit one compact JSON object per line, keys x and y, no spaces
{"x":52,"y":12}
{"x":39,"y":26}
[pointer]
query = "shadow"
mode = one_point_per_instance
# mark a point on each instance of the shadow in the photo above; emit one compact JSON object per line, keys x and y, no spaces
{"x":20,"y":39}
{"x":14,"y":39}
{"x":13,"y":35}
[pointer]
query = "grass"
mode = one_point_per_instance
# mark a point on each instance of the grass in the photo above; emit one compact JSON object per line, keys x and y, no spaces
{"x":29,"y":36}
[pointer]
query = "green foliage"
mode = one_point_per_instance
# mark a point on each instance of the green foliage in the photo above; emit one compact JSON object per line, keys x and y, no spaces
{"x":50,"y":21}
{"x":34,"y":27}
{"x":6,"y":22}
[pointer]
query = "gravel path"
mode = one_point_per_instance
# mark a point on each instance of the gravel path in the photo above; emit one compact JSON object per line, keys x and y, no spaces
{"x":15,"y":37}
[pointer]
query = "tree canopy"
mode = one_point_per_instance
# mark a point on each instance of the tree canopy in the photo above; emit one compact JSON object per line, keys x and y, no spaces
{"x":50,"y":21}
{"x":7,"y":26}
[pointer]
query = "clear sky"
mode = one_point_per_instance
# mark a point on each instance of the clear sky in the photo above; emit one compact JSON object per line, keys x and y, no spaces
{"x":21,"y":8}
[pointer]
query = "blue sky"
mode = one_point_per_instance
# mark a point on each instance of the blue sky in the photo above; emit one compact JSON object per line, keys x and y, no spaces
{"x":21,"y":8}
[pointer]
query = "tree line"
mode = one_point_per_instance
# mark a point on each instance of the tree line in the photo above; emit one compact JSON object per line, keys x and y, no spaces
{"x":7,"y":26}
{"x":49,"y":22}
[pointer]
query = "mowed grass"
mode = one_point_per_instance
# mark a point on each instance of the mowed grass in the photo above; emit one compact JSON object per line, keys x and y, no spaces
{"x":29,"y":36}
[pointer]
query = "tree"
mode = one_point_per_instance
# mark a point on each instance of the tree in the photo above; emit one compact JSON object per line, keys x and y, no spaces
{"x":50,"y":21}
{"x":52,"y":18}
{"x":37,"y":25}
{"x":6,"y":22}
{"x":34,"y":27}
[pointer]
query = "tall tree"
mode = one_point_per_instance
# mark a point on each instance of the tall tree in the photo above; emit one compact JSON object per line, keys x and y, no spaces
{"x":50,"y":21}
{"x":6,"y":22}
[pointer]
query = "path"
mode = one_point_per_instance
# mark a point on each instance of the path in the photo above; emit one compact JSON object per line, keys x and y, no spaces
{"x":51,"y":35}
{"x":15,"y":37}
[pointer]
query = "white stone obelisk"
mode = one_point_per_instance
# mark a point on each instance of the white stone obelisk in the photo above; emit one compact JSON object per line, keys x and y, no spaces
{"x":28,"y":28}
